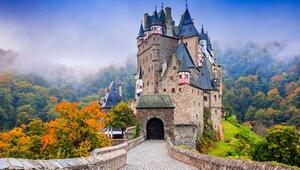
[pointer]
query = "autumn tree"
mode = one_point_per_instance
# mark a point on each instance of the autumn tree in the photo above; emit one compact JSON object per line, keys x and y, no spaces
{"x":75,"y":132}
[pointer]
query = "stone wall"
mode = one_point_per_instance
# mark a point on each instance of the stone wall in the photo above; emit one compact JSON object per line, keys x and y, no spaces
{"x":205,"y":162}
{"x":108,"y":158}
{"x":165,"y":115}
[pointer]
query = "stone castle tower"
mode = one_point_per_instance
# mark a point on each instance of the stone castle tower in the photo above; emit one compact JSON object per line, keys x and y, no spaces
{"x":177,"y":63}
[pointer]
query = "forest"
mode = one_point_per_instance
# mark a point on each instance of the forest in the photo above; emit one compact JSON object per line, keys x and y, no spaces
{"x":260,"y":90}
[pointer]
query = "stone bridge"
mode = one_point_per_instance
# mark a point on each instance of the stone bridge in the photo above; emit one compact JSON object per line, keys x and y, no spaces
{"x":138,"y":154}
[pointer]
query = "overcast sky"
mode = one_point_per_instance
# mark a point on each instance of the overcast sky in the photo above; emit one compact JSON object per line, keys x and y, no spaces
{"x":96,"y":33}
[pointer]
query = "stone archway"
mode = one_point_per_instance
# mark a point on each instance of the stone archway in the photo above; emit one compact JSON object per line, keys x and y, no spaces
{"x":155,"y":129}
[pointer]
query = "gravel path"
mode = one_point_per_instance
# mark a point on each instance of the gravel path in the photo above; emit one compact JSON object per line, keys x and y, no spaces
{"x":153,"y":155}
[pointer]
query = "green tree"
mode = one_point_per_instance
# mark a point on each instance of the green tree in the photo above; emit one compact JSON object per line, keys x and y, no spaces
{"x":282,"y":144}
{"x":121,"y":116}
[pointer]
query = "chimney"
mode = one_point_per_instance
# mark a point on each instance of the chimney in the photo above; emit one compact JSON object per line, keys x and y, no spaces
{"x":168,"y":13}
{"x":120,"y":90}
{"x":145,"y":20}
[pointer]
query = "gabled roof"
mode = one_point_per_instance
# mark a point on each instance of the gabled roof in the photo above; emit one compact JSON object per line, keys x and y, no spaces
{"x":184,"y":58}
{"x":186,"y":26}
{"x":112,"y":98}
{"x":141,"y":31}
{"x":154,"y":101}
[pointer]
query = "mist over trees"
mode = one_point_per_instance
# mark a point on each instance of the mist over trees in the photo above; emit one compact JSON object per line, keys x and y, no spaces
{"x":258,"y":87}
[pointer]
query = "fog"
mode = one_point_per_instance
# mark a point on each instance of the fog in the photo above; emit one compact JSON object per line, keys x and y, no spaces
{"x":77,"y":38}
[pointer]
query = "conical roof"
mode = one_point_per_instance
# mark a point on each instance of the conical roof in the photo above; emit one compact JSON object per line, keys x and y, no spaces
{"x":186,"y":26}
{"x":112,"y":98}
{"x":141,"y":31}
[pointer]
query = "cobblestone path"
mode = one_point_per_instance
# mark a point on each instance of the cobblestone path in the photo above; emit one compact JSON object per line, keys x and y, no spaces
{"x":153,"y":155}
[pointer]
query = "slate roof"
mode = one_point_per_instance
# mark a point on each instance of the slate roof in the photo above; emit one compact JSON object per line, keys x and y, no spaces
{"x":113,"y":97}
{"x":148,"y":23}
{"x":155,"y":101}
{"x":162,"y":16}
{"x":205,"y":77}
{"x":186,"y":26}
{"x":184,"y":58}
{"x":155,"y":20}
{"x":203,"y":35}
{"x":141,"y":31}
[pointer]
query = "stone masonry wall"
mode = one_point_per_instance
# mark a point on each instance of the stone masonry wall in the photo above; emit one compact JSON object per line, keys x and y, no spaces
{"x":108,"y":158}
{"x":205,"y":162}
{"x":165,"y":115}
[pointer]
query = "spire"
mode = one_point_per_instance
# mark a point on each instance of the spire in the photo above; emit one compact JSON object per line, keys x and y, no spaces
{"x":141,"y":31}
{"x":186,"y":26}
{"x":186,"y":4}
{"x":155,"y":18}
{"x":162,"y":6}
{"x":203,"y":35}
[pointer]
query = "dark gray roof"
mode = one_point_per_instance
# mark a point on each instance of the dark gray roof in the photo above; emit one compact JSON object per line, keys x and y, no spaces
{"x":154,"y":101}
{"x":141,"y":31}
{"x":205,"y":77}
{"x":203,"y":35}
{"x":148,"y":23}
{"x":162,"y":16}
{"x":113,"y":97}
{"x":184,"y":58}
{"x":155,"y":20}
{"x":186,"y":26}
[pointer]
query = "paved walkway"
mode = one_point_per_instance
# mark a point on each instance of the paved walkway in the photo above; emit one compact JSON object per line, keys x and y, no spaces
{"x":153,"y":155}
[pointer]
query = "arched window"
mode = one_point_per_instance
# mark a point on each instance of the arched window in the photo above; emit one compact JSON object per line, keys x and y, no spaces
{"x":174,"y":67}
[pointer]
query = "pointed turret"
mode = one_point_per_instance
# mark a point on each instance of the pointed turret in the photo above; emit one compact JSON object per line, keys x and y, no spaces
{"x":203,"y":35}
{"x":156,"y":27}
{"x":141,"y":31}
{"x":155,"y":19}
{"x":186,"y":26}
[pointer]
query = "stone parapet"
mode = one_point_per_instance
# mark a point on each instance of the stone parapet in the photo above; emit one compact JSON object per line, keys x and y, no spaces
{"x":107,"y":158}
{"x":206,"y":162}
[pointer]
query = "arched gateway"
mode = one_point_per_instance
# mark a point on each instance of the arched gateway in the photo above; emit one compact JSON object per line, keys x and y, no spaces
{"x":156,"y":115}
{"x":155,"y":129}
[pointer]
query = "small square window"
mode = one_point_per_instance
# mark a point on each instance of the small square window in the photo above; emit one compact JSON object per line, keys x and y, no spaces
{"x":165,"y":90}
{"x":205,"y":98}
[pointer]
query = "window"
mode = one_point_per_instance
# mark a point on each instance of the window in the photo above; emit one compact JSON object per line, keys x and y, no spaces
{"x":205,"y":98}
{"x":215,"y":98}
{"x":196,"y":116}
{"x":165,"y":90}
{"x":193,"y":130}
{"x":186,"y":43}
{"x":179,"y":89}
{"x":174,"y":67}
{"x":180,"y":76}
{"x":216,"y":112}
{"x":173,"y":90}
{"x":171,"y":78}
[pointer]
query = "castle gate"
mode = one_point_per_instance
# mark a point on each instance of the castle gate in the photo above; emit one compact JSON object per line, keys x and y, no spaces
{"x":156,"y":116}
{"x":155,"y":129}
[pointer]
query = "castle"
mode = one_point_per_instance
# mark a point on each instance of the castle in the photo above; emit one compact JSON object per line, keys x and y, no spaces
{"x":177,"y":69}
{"x":177,"y":77}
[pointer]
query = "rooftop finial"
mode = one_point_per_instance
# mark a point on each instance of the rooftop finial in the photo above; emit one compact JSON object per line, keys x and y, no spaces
{"x":155,"y":7}
{"x":162,"y":5}
{"x":186,"y":4}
